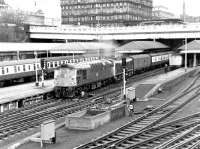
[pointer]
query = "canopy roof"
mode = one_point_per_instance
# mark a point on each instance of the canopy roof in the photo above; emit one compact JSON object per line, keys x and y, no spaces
{"x":79,"y":47}
{"x":192,"y":47}
{"x":140,"y":46}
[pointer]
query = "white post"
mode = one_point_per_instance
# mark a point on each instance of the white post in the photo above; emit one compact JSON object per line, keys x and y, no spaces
{"x":186,"y":54}
{"x":195,"y":60}
{"x":41,"y":144}
{"x":36,"y":73}
{"x":124,"y":83}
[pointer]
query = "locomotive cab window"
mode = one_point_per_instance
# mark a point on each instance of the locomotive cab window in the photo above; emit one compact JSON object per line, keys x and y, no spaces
{"x":78,"y":72}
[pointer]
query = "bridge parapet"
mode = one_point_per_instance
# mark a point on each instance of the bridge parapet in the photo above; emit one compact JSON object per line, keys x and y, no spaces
{"x":116,"y":30}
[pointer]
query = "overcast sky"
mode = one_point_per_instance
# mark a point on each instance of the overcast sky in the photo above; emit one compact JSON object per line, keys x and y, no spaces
{"x":51,"y":7}
{"x":176,"y":6}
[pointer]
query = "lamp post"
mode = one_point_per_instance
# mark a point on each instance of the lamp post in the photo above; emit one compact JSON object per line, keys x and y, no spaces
{"x":186,"y":50}
{"x":36,"y":73}
{"x":124,"y":77}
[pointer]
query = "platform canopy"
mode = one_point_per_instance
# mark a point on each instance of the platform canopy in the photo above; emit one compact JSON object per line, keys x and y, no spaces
{"x":69,"y":47}
{"x":83,"y":46}
{"x":140,"y":46}
{"x":192,"y":47}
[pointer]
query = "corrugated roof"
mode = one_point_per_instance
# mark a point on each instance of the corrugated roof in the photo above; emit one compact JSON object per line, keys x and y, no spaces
{"x":140,"y":46}
{"x":192,"y":47}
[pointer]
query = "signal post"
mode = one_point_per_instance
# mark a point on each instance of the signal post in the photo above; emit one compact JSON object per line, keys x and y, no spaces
{"x":43,"y":67}
{"x":124,"y":86}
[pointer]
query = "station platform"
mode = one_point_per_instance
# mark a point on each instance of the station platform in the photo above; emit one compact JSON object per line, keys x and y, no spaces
{"x":13,"y":93}
{"x":161,"y":82}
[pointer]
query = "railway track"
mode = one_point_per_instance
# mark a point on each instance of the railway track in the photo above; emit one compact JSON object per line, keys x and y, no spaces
{"x":31,"y":116}
{"x":184,"y":140}
{"x":146,"y":121}
{"x":155,"y":137}
{"x":34,"y":117}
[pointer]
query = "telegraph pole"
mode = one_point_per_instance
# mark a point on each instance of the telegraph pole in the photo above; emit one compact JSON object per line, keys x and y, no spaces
{"x":186,"y":48}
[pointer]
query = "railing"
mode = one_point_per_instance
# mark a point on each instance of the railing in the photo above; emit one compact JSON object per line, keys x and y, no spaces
{"x":116,"y":30}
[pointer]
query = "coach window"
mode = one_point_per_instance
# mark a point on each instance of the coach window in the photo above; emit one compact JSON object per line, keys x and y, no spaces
{"x":2,"y":70}
{"x":51,"y":64}
{"x":48,"y":65}
{"x":34,"y":66}
{"x":18,"y":68}
{"x":29,"y":67}
{"x":24,"y":69}
{"x":15,"y":68}
{"x":7,"y":70}
{"x":55,"y":64}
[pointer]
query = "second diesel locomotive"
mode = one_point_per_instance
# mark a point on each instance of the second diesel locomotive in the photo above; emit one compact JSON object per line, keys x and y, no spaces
{"x":71,"y":79}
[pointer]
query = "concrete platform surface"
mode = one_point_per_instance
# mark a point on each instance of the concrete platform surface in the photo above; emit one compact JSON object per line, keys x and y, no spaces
{"x":149,"y":87}
{"x":167,"y":76}
{"x":12,"y":93}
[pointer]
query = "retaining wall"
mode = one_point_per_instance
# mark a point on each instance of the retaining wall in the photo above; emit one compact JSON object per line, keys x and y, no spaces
{"x":87,"y":120}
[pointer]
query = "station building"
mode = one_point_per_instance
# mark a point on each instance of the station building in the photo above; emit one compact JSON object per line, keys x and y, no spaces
{"x":3,"y":5}
{"x":105,"y":13}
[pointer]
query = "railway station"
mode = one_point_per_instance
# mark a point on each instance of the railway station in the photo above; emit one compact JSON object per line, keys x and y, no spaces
{"x":104,"y":74}
{"x":159,"y":75}
{"x":151,"y":93}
